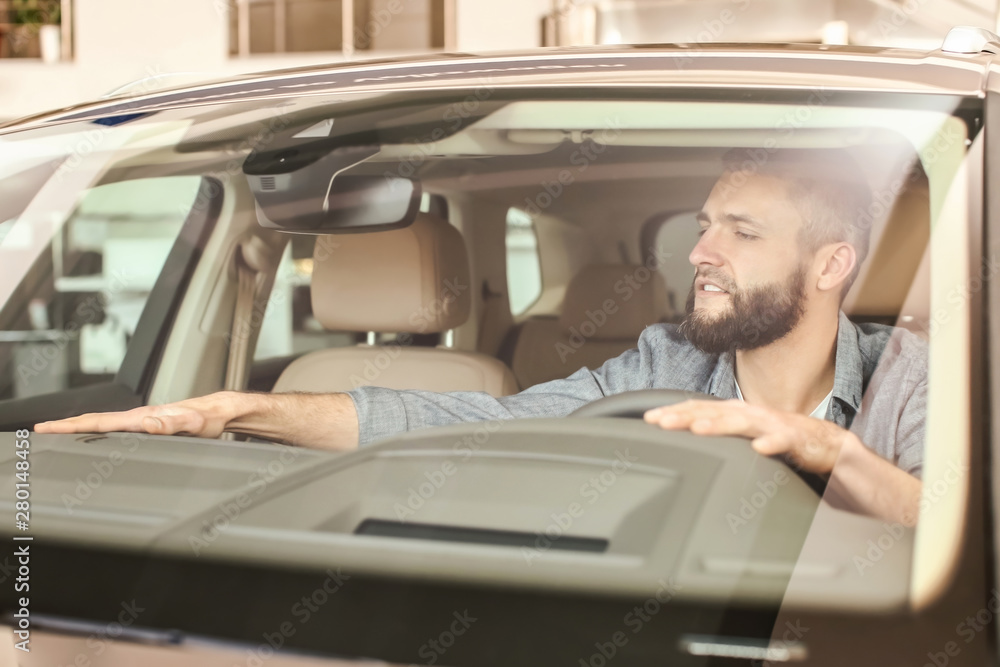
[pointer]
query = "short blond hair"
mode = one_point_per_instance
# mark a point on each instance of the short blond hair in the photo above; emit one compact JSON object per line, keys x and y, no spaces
{"x":828,"y":188}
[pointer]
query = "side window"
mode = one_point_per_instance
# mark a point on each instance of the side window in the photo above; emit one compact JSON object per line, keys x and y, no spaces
{"x":524,"y":271}
{"x":292,"y":26}
{"x":69,"y":321}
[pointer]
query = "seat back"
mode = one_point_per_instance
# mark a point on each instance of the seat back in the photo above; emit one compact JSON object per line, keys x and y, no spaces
{"x":605,"y":309}
{"x":407,"y":281}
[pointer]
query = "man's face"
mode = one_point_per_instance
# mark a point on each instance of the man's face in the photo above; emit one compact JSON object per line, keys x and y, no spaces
{"x":750,"y":282}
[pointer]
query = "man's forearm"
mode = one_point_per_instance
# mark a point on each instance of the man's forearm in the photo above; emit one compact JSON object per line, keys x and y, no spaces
{"x":318,"y":421}
{"x":867,"y":483}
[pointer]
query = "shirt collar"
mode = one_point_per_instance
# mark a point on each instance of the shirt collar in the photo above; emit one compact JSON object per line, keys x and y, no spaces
{"x":722,"y":384}
{"x":848,"y":379}
{"x":848,"y":376}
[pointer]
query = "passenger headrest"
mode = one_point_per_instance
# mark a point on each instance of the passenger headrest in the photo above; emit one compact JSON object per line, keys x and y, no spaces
{"x":414,"y":279}
{"x":618,"y":300}
{"x":897,"y":248}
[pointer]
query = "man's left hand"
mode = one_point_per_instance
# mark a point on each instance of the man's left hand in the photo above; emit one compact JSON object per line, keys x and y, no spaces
{"x":810,"y":444}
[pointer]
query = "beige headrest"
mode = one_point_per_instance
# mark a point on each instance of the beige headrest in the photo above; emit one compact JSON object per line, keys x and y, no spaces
{"x":618,"y":301}
{"x":895,"y":255}
{"x":414,"y":279}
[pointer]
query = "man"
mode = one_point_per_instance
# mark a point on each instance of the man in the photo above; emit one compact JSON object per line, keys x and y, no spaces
{"x":781,"y":242}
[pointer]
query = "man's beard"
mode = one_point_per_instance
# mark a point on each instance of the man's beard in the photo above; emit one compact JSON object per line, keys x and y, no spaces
{"x":757,"y":316}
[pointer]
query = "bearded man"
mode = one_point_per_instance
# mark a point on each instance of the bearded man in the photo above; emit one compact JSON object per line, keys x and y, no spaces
{"x":781,"y":243}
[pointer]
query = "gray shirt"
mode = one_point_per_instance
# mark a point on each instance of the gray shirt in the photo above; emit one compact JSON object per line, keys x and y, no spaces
{"x":879,"y":389}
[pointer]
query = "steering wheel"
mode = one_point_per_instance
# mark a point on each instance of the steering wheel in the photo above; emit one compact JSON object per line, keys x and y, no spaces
{"x":633,"y":404}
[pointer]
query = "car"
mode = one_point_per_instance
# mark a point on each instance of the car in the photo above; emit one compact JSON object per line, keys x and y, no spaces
{"x":477,"y":223}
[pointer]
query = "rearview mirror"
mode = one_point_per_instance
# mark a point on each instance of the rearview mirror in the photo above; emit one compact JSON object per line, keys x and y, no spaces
{"x":297,"y":190}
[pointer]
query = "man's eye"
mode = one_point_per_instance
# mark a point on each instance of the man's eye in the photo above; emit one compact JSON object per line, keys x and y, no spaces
{"x":702,"y":230}
{"x":746,"y":237}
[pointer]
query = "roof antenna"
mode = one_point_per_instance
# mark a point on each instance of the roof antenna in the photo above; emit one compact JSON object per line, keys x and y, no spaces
{"x":970,"y":39}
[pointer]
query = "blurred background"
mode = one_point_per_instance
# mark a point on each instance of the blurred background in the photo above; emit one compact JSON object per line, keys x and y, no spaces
{"x":55,"y":53}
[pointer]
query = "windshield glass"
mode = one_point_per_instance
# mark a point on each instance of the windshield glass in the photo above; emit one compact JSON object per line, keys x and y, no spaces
{"x":727,"y":248}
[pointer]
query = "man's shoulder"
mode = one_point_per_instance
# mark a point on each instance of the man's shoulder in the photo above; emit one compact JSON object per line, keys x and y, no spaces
{"x":673,"y":362}
{"x":668,"y":336}
{"x":665,"y":343}
{"x":882,"y":345}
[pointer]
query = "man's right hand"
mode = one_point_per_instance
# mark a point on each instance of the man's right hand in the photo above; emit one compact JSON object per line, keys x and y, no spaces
{"x":203,"y":417}
{"x":321,"y":421}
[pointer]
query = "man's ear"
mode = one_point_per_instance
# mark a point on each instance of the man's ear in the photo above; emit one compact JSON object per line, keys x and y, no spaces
{"x":836,"y":262}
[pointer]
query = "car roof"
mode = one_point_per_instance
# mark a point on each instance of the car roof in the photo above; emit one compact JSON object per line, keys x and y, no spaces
{"x":718,"y":65}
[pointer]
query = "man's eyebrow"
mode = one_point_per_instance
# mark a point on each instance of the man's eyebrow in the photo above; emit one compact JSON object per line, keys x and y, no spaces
{"x":732,"y":217}
{"x":745,"y":219}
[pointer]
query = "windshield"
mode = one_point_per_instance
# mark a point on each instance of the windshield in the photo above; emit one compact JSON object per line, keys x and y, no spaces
{"x":622,"y":241}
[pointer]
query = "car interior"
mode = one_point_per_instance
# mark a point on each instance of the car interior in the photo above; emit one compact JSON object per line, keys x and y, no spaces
{"x":607,"y":234}
{"x":523,"y":222}
{"x":495,"y":228}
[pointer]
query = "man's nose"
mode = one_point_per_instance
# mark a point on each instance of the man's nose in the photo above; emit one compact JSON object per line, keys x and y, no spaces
{"x":706,"y":250}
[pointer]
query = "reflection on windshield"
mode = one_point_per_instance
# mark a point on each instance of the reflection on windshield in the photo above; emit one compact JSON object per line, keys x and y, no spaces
{"x":771,"y":260}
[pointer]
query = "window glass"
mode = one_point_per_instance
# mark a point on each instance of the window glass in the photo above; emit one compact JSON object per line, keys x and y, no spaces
{"x":524,"y":274}
{"x":728,"y":523}
{"x":71,"y":319}
{"x":287,"y":26}
{"x":26,"y":30}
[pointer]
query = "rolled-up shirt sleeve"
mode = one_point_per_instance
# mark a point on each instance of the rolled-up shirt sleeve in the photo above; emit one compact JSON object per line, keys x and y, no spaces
{"x":892,"y":420}
{"x":911,"y":432}
{"x":385,"y":412}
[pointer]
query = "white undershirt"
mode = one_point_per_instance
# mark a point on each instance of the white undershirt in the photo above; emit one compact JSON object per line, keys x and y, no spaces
{"x":818,"y":413}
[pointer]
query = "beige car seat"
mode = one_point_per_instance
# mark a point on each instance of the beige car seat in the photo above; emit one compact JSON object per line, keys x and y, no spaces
{"x":603,"y":314}
{"x":894,"y":283}
{"x":413,"y":280}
